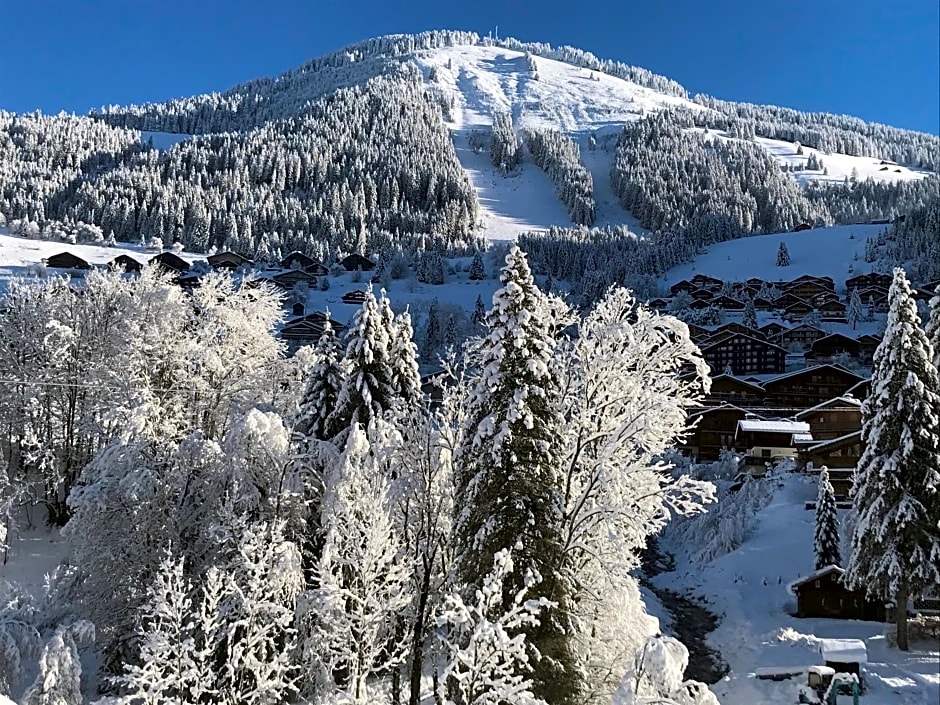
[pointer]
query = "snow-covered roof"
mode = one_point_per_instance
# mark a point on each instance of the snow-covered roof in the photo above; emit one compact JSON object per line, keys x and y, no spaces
{"x":843,"y":650}
{"x":815,"y":575}
{"x":806,"y":370}
{"x":802,"y":438}
{"x":844,"y":400}
{"x":773,"y":426}
{"x":832,"y":441}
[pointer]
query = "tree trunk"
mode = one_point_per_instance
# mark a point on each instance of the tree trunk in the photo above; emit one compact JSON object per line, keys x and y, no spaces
{"x":417,"y":642}
{"x":900,"y":616}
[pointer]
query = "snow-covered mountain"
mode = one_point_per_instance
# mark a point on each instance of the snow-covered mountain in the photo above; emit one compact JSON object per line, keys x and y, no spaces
{"x":387,"y":144}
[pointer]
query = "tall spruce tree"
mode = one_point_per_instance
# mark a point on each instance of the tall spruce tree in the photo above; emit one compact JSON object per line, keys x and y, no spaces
{"x":507,"y":477}
{"x":826,"y":536}
{"x":933,"y":327}
{"x":406,"y":379}
{"x":367,"y":390}
{"x":324,"y":382}
{"x":854,"y":311}
{"x":896,"y":497}
{"x":477,"y":271}
{"x":783,"y":255}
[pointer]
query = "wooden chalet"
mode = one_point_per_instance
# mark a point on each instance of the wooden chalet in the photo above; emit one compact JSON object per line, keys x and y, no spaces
{"x":170,"y":262}
{"x":696,"y":332}
{"x":809,"y":289}
{"x":810,"y":386}
{"x":803,"y":335}
{"x":924,"y":295}
{"x":801,"y":227}
{"x":125,"y":263}
{"x":767,"y":440}
{"x":839,"y":456}
{"x":307,"y":330}
{"x":703,"y":281}
{"x":734,"y":390}
{"x":832,"y":310}
{"x":930,"y":286}
{"x":292,"y":277}
{"x":867,"y":344}
{"x":736,"y":327}
{"x":772,"y":331}
{"x":756,"y":282}
{"x":863,"y":281}
{"x":786,"y":300}
{"x":745,"y":355}
{"x":823,"y":594}
{"x":66,"y":260}
{"x":682,"y":285}
{"x":711,"y":430}
{"x":700,"y":304}
{"x":658,"y":304}
{"x":228,"y":260}
{"x":317,"y":269}
{"x":188,"y":280}
{"x":861,"y":390}
{"x":357,"y":261}
{"x":357,"y":297}
{"x":875,"y":298}
{"x":803,"y":278}
{"x":702,"y":294}
{"x":834,"y":418}
{"x":797,"y":311}
{"x":297,"y":260}
{"x":831,"y":346}
{"x":727,"y":303}
{"x":762,"y":304}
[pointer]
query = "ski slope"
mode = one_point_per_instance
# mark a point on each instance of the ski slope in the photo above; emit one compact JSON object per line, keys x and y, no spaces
{"x":837,"y":252}
{"x":483,"y":80}
{"x":748,"y":589}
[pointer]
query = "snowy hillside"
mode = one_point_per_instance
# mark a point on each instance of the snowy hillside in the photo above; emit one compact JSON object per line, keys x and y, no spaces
{"x":835,"y":252}
{"x":748,"y":589}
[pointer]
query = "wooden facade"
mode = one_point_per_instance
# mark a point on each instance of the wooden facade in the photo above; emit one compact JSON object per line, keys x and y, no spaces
{"x":804,"y":335}
{"x":745,"y":355}
{"x":730,"y":389}
{"x":355,"y":261}
{"x":297,"y":260}
{"x":810,"y":386}
{"x":823,"y":594}
{"x":228,"y":260}
{"x":712,"y":429}
{"x":357,"y":296}
{"x":834,"y":418}
{"x":832,"y":346}
{"x":170,"y":262}
{"x":125,"y":263}
{"x":66,"y":260}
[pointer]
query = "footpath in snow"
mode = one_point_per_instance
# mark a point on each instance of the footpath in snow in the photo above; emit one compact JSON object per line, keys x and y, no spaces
{"x":748,"y":590}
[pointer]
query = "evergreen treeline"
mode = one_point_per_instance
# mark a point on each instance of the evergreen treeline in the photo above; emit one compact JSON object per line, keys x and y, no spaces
{"x":367,"y":168}
{"x":825,"y":131}
{"x":854,"y":201}
{"x":671,"y":177}
{"x":559,"y":157}
{"x":592,"y":260}
{"x":505,"y":148}
{"x":914,"y":243}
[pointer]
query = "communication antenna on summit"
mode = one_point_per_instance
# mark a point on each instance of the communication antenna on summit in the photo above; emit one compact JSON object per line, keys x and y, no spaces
{"x":496,"y":33}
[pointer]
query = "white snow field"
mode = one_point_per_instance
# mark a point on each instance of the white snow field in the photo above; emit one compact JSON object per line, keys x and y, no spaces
{"x":748,"y":590}
{"x":163,"y":140}
{"x":822,"y":252}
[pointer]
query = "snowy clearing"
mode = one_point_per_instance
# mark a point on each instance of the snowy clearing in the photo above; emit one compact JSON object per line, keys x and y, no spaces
{"x":748,"y":588}
{"x":163,"y":140}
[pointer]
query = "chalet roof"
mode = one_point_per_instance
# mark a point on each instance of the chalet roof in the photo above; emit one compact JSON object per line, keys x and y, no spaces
{"x":170,"y":260}
{"x":803,"y":327}
{"x":848,"y":437}
{"x":844,"y":400}
{"x":815,"y":575}
{"x":773,"y":325}
{"x":811,"y":370}
{"x":833,"y":337}
{"x":773,"y":426}
{"x":720,"y":407}
{"x":738,"y":380}
{"x":802,"y":438}
{"x":356,"y":261}
{"x":220,"y":258}
{"x":843,"y":650}
{"x":869,"y":338}
{"x":127,"y":262}
{"x":297,"y":256}
{"x":67,"y":260}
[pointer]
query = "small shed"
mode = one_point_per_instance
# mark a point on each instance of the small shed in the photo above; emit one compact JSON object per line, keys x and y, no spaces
{"x":66,"y":260}
{"x":227,"y":260}
{"x":357,"y":261}
{"x":844,"y":655}
{"x":824,"y":594}
{"x":125,"y":262}
{"x":170,"y":262}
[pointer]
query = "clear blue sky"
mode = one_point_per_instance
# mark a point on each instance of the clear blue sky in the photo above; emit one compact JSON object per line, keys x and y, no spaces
{"x":878,"y":59}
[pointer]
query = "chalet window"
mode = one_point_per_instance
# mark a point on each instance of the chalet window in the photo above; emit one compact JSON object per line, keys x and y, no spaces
{"x":765,"y":453}
{"x":816,"y":584}
{"x":833,"y":577}
{"x":822,"y":419}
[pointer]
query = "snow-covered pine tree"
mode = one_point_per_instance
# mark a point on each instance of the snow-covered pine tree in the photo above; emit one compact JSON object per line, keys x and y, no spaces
{"x":826,"y":535}
{"x":487,"y":658}
{"x":896,"y":496}
{"x":478,"y":317}
{"x":933,"y":327}
{"x":59,"y":679}
{"x":367,"y":391}
{"x":321,"y":389}
{"x":783,"y":255}
{"x":403,"y":355}
{"x":477,"y":271}
{"x":363,"y":580}
{"x":854,"y":312}
{"x":750,"y":314}
{"x":508,"y":484}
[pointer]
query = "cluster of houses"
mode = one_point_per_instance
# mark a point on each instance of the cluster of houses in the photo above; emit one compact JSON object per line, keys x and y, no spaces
{"x":295,"y":274}
{"x":791,"y":300}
